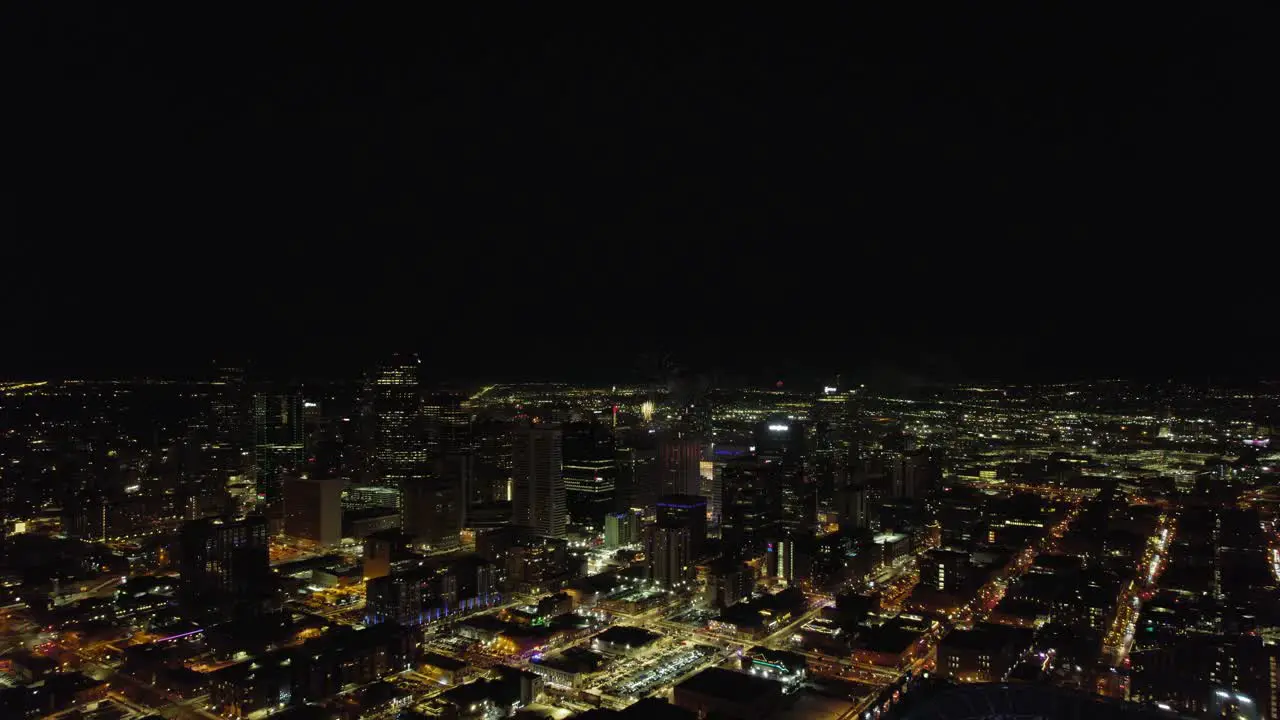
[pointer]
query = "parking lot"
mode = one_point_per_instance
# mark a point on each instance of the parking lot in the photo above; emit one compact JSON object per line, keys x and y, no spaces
{"x":660,"y":670}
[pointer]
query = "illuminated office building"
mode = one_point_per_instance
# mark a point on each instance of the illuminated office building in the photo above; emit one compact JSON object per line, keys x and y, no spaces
{"x":621,"y":529}
{"x":448,"y":423}
{"x":679,"y":463}
{"x":689,"y":512}
{"x":400,"y":452}
{"x":278,"y":441}
{"x":751,"y":510}
{"x":538,"y":490}
{"x":668,"y":554}
{"x":224,"y":566}
{"x":590,"y":472}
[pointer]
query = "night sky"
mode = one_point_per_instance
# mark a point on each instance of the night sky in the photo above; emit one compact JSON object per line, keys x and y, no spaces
{"x":1026,"y":195}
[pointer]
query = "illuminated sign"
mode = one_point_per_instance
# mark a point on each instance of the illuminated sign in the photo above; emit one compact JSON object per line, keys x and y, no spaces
{"x":779,"y":428}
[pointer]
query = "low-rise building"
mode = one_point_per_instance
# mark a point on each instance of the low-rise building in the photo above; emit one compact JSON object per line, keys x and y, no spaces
{"x":568,"y":669}
{"x":442,"y":668}
{"x":986,"y":653}
{"x":725,"y":693}
{"x":624,"y":640}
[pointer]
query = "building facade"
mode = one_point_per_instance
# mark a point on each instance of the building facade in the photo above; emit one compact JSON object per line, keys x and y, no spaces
{"x":279,"y":441}
{"x":538,"y":490}
{"x":313,"y":509}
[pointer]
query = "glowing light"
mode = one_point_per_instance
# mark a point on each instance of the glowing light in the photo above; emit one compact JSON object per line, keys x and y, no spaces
{"x":646,"y":410}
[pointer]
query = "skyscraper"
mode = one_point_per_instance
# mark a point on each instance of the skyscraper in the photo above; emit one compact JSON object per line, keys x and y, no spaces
{"x":667,"y":552}
{"x":689,"y":512}
{"x":780,"y":559}
{"x":538,"y":491}
{"x":433,"y":504}
{"x":851,"y":507}
{"x":679,"y":455}
{"x":637,"y":465}
{"x":313,"y":509}
{"x":278,"y":440}
{"x":229,"y":408}
{"x":590,"y":471}
{"x":493,"y":461}
{"x":752,"y":507}
{"x":912,"y":476}
{"x":448,"y":423}
{"x":621,"y":528}
{"x":400,"y":451}
{"x":225,"y":566}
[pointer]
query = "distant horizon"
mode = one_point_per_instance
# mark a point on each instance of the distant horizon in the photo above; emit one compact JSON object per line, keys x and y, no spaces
{"x":812,"y":383}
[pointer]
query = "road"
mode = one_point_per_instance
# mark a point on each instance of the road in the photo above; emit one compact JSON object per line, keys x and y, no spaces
{"x":1119,"y":638}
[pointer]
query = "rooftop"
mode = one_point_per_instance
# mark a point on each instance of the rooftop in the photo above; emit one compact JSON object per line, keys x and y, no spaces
{"x":887,"y":638}
{"x":729,"y":685}
{"x":573,"y":660}
{"x":627,"y":635}
{"x":444,"y":662}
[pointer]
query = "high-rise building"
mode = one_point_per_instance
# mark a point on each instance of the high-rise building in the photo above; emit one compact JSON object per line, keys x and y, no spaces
{"x":378,"y":550}
{"x":912,"y":476}
{"x":752,"y":506}
{"x":709,"y":488}
{"x":538,"y":490}
{"x":851,"y":507}
{"x":279,"y":440}
{"x":429,"y":593}
{"x":945,"y":570}
{"x":492,"y":439}
{"x":229,"y":409}
{"x":799,"y":491}
{"x":400,"y":450}
{"x":721,"y":456}
{"x":225,"y":566}
{"x":313,"y":509}
{"x":621,"y":528}
{"x":668,"y":554}
{"x":679,"y":458}
{"x":780,"y":560}
{"x":637,"y":465}
{"x":448,"y":423}
{"x":433,"y":509}
{"x":686,"y":511}
{"x":728,"y":583}
{"x":590,"y":472}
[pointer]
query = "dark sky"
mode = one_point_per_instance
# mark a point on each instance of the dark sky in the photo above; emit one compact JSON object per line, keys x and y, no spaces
{"x":1027,"y":194}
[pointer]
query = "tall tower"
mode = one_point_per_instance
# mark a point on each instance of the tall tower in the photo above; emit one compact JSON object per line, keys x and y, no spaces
{"x":689,"y":512}
{"x":590,"y":471}
{"x":538,"y":490}
{"x":433,"y":505}
{"x":667,"y":549}
{"x":752,"y":505}
{"x":679,"y":458}
{"x":278,"y":440}
{"x":400,"y":452}
{"x":229,"y":409}
{"x":448,"y":423}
